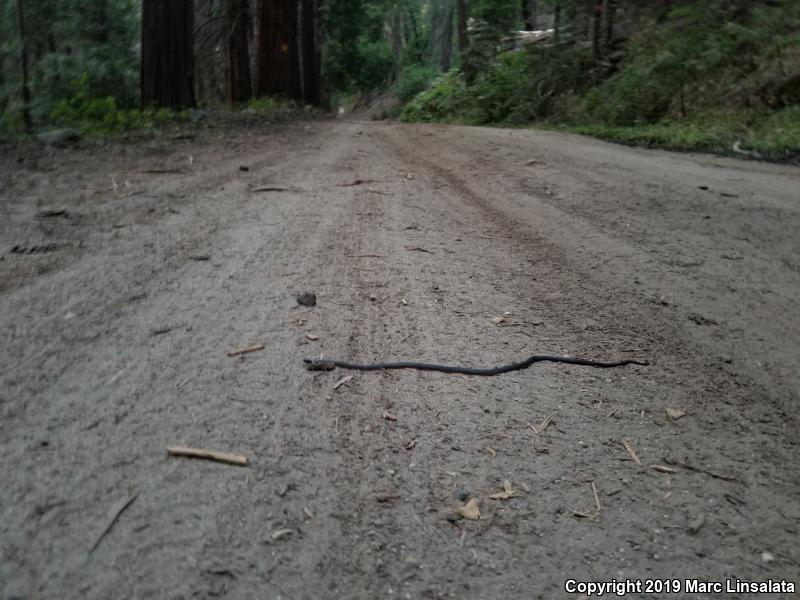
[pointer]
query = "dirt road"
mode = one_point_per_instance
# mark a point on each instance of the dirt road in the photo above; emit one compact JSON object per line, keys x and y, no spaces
{"x":439,"y":244}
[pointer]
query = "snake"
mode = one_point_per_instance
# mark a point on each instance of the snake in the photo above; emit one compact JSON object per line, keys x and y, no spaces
{"x":324,"y":364}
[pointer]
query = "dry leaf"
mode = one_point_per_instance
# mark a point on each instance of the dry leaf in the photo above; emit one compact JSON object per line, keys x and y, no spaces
{"x":501,"y":319}
{"x":470,"y":510}
{"x":508,"y":492}
{"x":675,"y":413}
{"x":534,"y":161}
{"x":312,"y":337}
{"x":389,"y":416}
{"x":491,"y":451}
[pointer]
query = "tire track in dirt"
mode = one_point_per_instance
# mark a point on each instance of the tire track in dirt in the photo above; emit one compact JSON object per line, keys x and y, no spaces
{"x":140,"y":396}
{"x":681,"y":372}
{"x":367,"y":508}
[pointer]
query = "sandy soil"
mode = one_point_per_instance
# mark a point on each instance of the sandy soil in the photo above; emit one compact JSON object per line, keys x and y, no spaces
{"x":116,"y":316}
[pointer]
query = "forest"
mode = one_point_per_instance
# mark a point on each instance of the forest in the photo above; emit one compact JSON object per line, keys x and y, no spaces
{"x":399,"y":299}
{"x":721,"y":75}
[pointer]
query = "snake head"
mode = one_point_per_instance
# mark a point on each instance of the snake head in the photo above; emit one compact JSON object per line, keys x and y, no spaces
{"x":319,"y":364}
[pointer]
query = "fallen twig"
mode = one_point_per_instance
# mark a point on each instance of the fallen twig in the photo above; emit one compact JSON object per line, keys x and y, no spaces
{"x":224,"y":457}
{"x":356,"y":182}
{"x":163,"y":330}
{"x":247,"y":350}
{"x":113,"y":514}
{"x":268,"y":188}
{"x":341,"y":382}
{"x":418,"y":249}
{"x":701,"y":470}
{"x":591,"y":514}
{"x":663,"y":469}
{"x":542,"y":426}
{"x":630,"y":450}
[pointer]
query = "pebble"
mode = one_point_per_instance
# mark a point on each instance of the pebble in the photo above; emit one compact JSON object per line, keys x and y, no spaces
{"x":307,"y":299}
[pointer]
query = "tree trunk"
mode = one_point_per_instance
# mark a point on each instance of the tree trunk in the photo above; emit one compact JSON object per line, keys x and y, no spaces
{"x":237,"y":53}
{"x":526,"y":15}
{"x":310,"y":52}
{"x":581,"y":18}
{"x":609,"y":9}
{"x":446,"y":39}
{"x":534,"y":15}
{"x":278,"y":68}
{"x":556,"y":21}
{"x":397,"y":38}
{"x":167,"y":67}
{"x":26,"y":91}
{"x":597,"y":22}
{"x":463,"y":40}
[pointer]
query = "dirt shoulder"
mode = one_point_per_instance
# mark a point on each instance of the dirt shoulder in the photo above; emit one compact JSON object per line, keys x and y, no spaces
{"x":128,"y":272}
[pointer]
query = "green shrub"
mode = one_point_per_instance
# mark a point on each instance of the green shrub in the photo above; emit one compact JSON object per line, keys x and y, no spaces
{"x":413,"y":80}
{"x":447,"y":100}
{"x":518,"y":87}
{"x":265,"y":104}
{"x":695,"y":59}
{"x":376,"y":64}
{"x":101,"y":116}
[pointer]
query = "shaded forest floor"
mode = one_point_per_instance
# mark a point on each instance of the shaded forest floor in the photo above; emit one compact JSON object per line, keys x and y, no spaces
{"x":129,"y":271}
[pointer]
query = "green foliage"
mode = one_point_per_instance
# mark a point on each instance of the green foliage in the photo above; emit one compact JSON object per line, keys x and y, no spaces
{"x":364,"y":65}
{"x":265,"y":104}
{"x":665,"y":62}
{"x":499,"y":16}
{"x":697,"y":58}
{"x":413,"y":80}
{"x":376,"y":64}
{"x":703,"y":75}
{"x":773,"y":135}
{"x":67,"y":40}
{"x":357,"y":55}
{"x":517,"y":88}
{"x":102,"y":115}
{"x":448,"y":100}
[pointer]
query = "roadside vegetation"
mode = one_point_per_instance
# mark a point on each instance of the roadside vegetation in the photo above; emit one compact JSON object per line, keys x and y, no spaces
{"x":714,"y":76}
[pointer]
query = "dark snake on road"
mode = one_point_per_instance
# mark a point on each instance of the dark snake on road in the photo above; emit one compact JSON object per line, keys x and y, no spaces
{"x":324,"y":364}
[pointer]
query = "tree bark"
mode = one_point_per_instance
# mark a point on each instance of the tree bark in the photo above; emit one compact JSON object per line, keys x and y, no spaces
{"x":526,"y":15}
{"x":463,"y":40}
{"x":26,"y":90}
{"x":597,"y":23}
{"x":557,"y":21}
{"x":278,"y":67}
{"x":239,"y":86}
{"x":609,"y":9}
{"x":397,"y":38}
{"x":446,"y":39}
{"x":167,"y":66}
{"x":310,"y":52}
